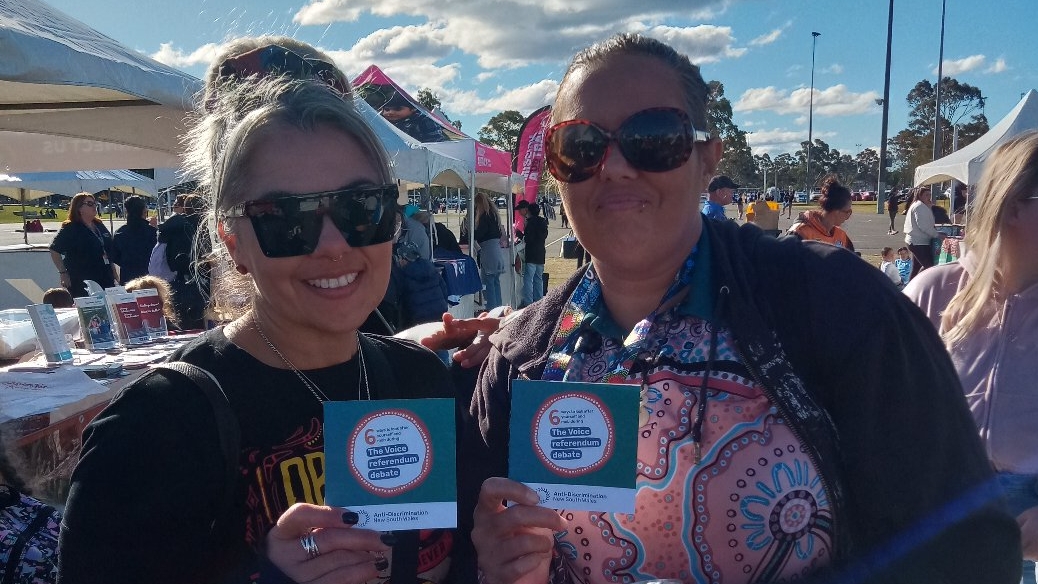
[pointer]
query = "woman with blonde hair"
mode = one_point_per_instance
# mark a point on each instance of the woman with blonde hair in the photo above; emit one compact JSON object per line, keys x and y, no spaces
{"x":491,"y":258}
{"x":985,"y":306}
{"x":301,"y":204}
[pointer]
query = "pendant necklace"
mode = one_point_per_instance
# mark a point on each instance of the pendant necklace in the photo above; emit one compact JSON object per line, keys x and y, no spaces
{"x":362,"y":379}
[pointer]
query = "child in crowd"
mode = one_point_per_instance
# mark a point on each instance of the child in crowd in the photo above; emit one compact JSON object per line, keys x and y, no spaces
{"x":889,"y":269}
{"x":904,"y":264}
{"x":59,"y":298}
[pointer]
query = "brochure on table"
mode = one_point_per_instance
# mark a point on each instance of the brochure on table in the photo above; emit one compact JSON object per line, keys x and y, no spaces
{"x":392,"y":462}
{"x":96,"y":322}
{"x":575,"y":443}
{"x":49,"y":334}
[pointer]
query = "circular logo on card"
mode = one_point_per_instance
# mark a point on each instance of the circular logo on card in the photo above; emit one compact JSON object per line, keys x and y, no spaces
{"x":573,"y":434}
{"x":390,"y":452}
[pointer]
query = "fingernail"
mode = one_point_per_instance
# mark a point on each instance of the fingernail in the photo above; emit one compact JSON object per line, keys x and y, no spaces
{"x":388,"y":539}
{"x":381,"y":564}
{"x":350,"y":518}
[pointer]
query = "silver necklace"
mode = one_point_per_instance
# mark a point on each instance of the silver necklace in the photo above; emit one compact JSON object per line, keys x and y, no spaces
{"x":362,"y":379}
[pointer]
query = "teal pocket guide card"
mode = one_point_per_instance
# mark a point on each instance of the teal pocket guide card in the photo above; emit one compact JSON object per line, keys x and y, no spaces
{"x":575,"y":444}
{"x":392,"y":462}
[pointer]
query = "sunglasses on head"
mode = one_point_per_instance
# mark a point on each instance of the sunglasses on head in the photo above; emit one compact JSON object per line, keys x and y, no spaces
{"x":277,"y":60}
{"x":291,"y":225}
{"x":652,"y":140}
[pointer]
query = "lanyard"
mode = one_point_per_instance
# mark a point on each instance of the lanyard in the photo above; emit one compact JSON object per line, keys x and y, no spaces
{"x":565,"y":364}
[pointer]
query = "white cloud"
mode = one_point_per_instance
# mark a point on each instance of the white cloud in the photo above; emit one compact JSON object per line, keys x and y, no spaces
{"x":998,"y":66}
{"x":777,"y":141}
{"x":833,"y":101}
{"x":834,"y":69}
{"x":524,"y":99}
{"x":533,"y":31}
{"x":174,"y":57}
{"x":767,"y":39}
{"x":957,"y":66}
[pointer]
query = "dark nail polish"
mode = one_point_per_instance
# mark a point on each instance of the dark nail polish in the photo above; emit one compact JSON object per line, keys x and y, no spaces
{"x":350,"y":518}
{"x":388,"y":539}
{"x":381,"y":564}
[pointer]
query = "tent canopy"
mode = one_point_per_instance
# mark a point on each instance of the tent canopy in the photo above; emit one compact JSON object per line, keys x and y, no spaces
{"x":72,"y":98}
{"x":966,"y":164}
{"x":41,"y":184}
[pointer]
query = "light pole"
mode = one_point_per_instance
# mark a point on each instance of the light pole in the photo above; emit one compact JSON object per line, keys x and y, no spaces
{"x":881,"y":180}
{"x":938,"y":146}
{"x":811,"y":114}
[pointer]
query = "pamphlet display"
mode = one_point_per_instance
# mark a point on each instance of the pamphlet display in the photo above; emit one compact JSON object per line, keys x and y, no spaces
{"x":392,"y":462}
{"x":123,"y":307}
{"x":95,"y":322}
{"x":149,"y":304}
{"x":49,"y":333}
{"x":575,"y":443}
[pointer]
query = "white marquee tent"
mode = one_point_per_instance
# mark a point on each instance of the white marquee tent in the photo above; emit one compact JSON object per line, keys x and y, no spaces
{"x":42,"y":184}
{"x":965,"y":165}
{"x":72,"y":98}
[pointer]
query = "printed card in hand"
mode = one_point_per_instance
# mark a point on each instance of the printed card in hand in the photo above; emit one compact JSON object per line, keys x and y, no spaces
{"x":575,"y":443}
{"x":392,"y":462}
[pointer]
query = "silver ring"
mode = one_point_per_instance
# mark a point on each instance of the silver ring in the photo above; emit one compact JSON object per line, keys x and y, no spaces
{"x":309,"y":545}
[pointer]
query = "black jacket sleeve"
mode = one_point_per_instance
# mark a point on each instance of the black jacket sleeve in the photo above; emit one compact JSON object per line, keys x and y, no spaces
{"x":148,"y":487}
{"x":922,"y":504}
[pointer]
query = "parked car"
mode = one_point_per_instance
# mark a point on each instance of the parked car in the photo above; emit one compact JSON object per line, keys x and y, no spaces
{"x":501,"y":202}
{"x":868,"y":195}
{"x":815,"y":195}
{"x":800,"y":197}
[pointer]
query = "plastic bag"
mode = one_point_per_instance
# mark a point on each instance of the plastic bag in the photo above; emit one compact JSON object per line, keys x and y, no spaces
{"x":17,"y":335}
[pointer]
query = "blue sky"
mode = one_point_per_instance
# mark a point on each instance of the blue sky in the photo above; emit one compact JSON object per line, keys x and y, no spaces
{"x":483,"y":57}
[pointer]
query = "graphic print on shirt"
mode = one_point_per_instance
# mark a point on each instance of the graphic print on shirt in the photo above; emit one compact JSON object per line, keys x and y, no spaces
{"x":754,"y":509}
{"x":294,"y":472}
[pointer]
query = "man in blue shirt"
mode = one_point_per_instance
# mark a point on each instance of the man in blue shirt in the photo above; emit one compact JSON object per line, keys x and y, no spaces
{"x":720,"y":194}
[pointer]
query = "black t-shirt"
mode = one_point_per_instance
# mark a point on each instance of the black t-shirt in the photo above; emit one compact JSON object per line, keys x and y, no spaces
{"x":86,"y":255}
{"x":535,"y":236}
{"x":150,"y":480}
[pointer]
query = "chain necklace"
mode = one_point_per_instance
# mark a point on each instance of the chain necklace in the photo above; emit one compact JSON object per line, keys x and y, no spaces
{"x":362,"y":379}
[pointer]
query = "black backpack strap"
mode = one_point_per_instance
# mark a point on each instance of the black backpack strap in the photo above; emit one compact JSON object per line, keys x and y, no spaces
{"x":382,"y":385}
{"x":227,"y":427}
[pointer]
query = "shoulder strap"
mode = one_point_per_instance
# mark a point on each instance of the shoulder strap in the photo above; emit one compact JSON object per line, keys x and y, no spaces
{"x":227,"y":425}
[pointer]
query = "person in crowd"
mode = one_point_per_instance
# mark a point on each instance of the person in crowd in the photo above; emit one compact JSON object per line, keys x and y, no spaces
{"x":59,"y":298}
{"x":82,"y":249}
{"x":823,"y":224}
{"x":719,"y":194}
{"x":414,"y":232}
{"x":403,"y":114}
{"x":764,"y":213}
{"x":421,"y":290}
{"x":904,"y":265}
{"x":985,"y":306}
{"x":740,"y":199}
{"x":442,"y":237}
{"x":28,"y":527}
{"x":959,"y":203}
{"x":888,"y":267}
{"x":787,"y":205}
{"x":893,"y":201}
{"x":165,"y":296}
{"x":535,"y":235}
{"x":190,"y":284}
{"x":776,"y":443}
{"x":132,"y":243}
{"x":491,"y":256}
{"x":920,"y":230}
{"x":940,"y":214}
{"x":302,"y":203}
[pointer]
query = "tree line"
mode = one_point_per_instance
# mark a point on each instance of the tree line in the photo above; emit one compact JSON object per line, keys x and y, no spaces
{"x":961,"y":114}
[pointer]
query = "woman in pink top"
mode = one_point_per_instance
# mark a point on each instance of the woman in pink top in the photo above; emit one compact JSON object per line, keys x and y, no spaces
{"x":986,"y":308}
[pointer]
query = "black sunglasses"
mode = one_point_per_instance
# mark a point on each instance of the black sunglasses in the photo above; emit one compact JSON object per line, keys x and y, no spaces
{"x":652,"y":140}
{"x":277,"y":60}
{"x":291,"y":225}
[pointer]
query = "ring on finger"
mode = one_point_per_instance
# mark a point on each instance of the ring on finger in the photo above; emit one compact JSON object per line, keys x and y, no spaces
{"x":310,"y":545}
